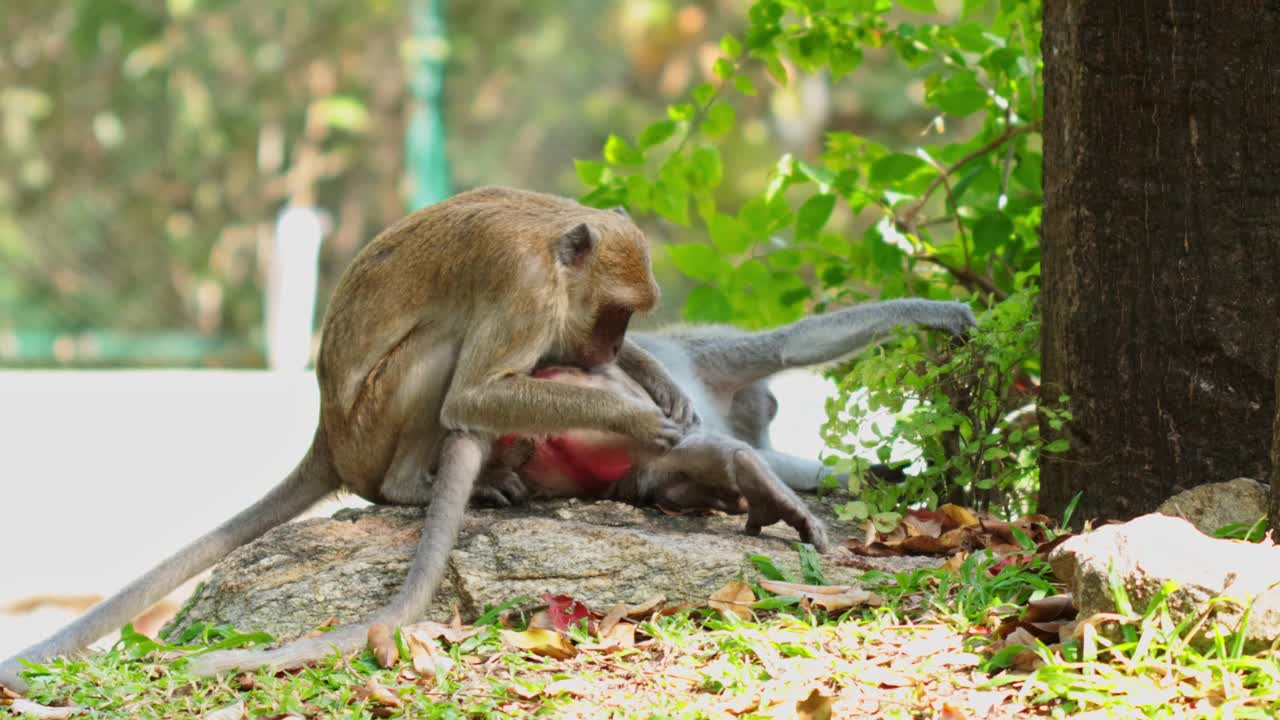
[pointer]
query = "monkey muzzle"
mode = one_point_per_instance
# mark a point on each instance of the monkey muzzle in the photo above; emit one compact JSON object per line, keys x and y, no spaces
{"x":607,"y":336}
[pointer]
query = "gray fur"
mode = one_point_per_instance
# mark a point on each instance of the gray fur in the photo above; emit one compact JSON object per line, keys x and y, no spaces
{"x":724,"y":370}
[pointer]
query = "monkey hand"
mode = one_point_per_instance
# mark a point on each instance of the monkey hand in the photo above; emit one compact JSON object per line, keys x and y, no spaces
{"x":953,"y":317}
{"x":499,"y":487}
{"x":673,"y":403}
{"x":653,"y":428}
{"x":770,"y":500}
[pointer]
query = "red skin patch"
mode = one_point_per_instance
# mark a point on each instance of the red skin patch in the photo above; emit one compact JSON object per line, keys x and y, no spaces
{"x":560,"y":460}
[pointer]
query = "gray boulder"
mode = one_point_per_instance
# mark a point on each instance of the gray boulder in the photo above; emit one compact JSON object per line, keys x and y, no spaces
{"x":303,"y":574}
{"x":1152,"y":549}
{"x":1215,"y":505}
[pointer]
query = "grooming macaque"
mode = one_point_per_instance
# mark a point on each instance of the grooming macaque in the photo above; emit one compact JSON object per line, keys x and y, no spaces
{"x":724,"y":372}
{"x":704,"y":471}
{"x":427,"y":347}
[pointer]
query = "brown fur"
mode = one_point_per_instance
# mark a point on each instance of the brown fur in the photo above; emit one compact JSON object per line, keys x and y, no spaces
{"x":427,"y":346}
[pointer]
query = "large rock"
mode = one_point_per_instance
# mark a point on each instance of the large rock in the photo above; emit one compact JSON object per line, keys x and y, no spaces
{"x":302,"y":574}
{"x":1152,"y":549}
{"x":1215,"y":505}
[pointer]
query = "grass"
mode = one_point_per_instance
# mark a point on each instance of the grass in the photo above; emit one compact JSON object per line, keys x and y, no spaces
{"x":933,"y":648}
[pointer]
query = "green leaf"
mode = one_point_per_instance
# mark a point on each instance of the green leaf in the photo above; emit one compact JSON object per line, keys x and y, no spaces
{"x":671,"y":202}
{"x":703,"y":93}
{"x":743,"y":84}
{"x":681,"y":111}
{"x":707,"y":305}
{"x":765,"y":566}
{"x":730,"y":45}
{"x":720,"y":119}
{"x":919,"y":6}
{"x":777,"y":70}
{"x":722,"y":68}
{"x":620,"y":152}
{"x":343,"y":112}
{"x":727,"y":235}
{"x":811,"y":565}
{"x":973,"y":7}
{"x":958,"y":95}
{"x":705,"y":170}
{"x":895,"y":168}
{"x":639,"y":193}
{"x":812,"y":216}
{"x":991,"y":232}
{"x":657,"y":133}
{"x":589,"y":171}
{"x":698,"y":261}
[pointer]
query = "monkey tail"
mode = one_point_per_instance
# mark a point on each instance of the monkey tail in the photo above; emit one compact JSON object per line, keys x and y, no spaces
{"x":313,"y":478}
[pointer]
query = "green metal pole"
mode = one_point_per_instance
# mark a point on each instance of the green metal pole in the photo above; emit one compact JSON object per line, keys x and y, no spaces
{"x":426,"y":159}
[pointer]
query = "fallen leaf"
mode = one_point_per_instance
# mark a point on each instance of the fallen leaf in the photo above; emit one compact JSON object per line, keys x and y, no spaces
{"x":380,"y":694}
{"x":453,"y":634}
{"x":1048,"y":609}
{"x":815,"y":707}
{"x":736,"y":598}
{"x":234,"y":711}
{"x":873,"y":549}
{"x":959,"y":516}
{"x":950,"y":712}
{"x":547,"y":643}
{"x":245,"y":682}
{"x":621,"y":635}
{"x":567,"y":612}
{"x":832,"y":598}
{"x":382,"y":644}
{"x":611,"y":618}
{"x":426,"y":661}
{"x":646,"y":608}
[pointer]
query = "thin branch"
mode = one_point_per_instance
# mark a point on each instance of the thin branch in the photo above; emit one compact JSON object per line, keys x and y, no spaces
{"x":908,"y":219}
{"x":967,"y":277}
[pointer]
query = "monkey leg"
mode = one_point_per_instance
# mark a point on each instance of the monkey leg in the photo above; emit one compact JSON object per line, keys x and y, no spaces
{"x":313,"y":479}
{"x":462,"y":456}
{"x":719,"y":472}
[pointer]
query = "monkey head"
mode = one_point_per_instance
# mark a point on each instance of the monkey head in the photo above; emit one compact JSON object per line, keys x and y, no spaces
{"x":603,"y":260}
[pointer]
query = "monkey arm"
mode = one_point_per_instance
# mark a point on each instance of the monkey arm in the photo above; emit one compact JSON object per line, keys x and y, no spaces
{"x":645,"y":369}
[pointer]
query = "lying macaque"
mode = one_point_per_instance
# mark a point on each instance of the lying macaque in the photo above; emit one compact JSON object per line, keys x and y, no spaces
{"x":705,"y":470}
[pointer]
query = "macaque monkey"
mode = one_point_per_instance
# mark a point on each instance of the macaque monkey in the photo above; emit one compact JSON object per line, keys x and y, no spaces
{"x":724,"y":372}
{"x":427,"y":346}
{"x":704,"y":471}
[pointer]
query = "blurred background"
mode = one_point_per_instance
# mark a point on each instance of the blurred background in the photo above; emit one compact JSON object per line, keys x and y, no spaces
{"x":183,"y":181}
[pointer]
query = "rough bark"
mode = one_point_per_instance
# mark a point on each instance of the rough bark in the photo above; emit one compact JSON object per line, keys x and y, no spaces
{"x":1161,"y":245}
{"x":1275,"y":463}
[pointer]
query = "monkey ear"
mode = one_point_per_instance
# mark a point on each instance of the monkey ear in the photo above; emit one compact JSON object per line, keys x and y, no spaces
{"x":574,"y":246}
{"x":621,"y":211}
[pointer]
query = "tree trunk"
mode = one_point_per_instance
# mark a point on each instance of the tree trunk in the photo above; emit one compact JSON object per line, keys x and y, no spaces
{"x":1275,"y":463}
{"x":1161,"y":246}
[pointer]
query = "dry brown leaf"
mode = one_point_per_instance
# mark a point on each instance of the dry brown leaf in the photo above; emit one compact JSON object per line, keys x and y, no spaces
{"x":928,"y":545}
{"x":621,"y":635}
{"x":955,"y":562}
{"x":736,"y":598}
{"x":1048,"y":609}
{"x":382,"y":644}
{"x":538,"y":641}
{"x":611,"y":618}
{"x":960,"y":516}
{"x":426,"y":661}
{"x":917,"y":522}
{"x":815,"y":707}
{"x":380,"y":694}
{"x":451,"y":633}
{"x":832,"y":598}
{"x":23,"y":707}
{"x":646,"y":608}
{"x":234,"y":711}
{"x":541,"y":620}
{"x":951,"y":712}
{"x":872,"y":549}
